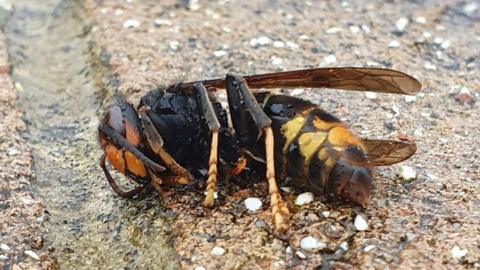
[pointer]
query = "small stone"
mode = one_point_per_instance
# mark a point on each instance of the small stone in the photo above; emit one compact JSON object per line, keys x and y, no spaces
{"x":312,"y":243}
{"x":395,"y":110}
{"x":429,"y":66}
{"x":365,"y":28}
{"x":217,"y":251}
{"x":12,"y":151}
{"x":470,"y":8}
{"x":432,"y":176}
{"x":421,"y":20}
{"x":174,"y":45}
{"x":287,"y":189}
{"x":131,"y":23}
{"x":354,"y":29}
{"x":301,"y":255}
{"x":3,"y":258}
{"x":438,"y":40}
{"x":262,"y":41}
{"x":304,"y":37}
{"x":371,"y":95}
{"x":32,"y":255}
{"x":326,"y":214}
{"x":297,"y":92}
{"x":278,"y":44}
{"x":292,"y":45}
{"x":5,"y":248}
{"x":418,"y":132}
{"x":193,"y":5}
{"x":162,"y":22}
{"x":276,"y":61}
{"x":369,"y":248}
{"x":464,"y":96}
{"x":304,"y":198}
{"x":334,"y":30}
{"x":393,"y":44}
{"x":118,"y":12}
{"x":288,"y":250}
{"x":330,"y":59}
{"x":445,"y":44}
{"x":344,"y":246}
{"x":200,"y":268}
{"x":401,"y":24}
{"x":219,"y":53}
{"x":408,"y":173}
{"x":458,"y":253}
{"x":360,"y":223}
{"x":253,"y":204}
{"x":410,"y":99}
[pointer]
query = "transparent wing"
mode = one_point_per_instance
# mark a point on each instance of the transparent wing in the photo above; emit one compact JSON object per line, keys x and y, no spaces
{"x":386,"y":152}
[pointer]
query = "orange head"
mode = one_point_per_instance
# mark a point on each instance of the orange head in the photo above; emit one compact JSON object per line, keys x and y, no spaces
{"x":120,"y":138}
{"x":351,"y":179}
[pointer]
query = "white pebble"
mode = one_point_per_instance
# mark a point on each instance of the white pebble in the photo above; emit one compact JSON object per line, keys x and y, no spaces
{"x":297,"y":91}
{"x":174,"y":45}
{"x":393,"y":44}
{"x":365,"y":28}
{"x":304,"y":37}
{"x":278,"y":44}
{"x":371,"y":95}
{"x":421,"y":20}
{"x":193,"y":5}
{"x":445,"y":44}
{"x":118,"y":12}
{"x":276,"y":61}
{"x":438,"y":40}
{"x":429,"y":66}
{"x":218,"y":251}
{"x":334,"y":30}
{"x":5,"y":248}
{"x":360,"y":223}
{"x":470,"y":8}
{"x":312,"y":243}
{"x":3,"y":257}
{"x":253,"y":204}
{"x":369,"y":248}
{"x":408,"y":173}
{"x":162,"y":22}
{"x":200,"y":268}
{"x":301,"y":255}
{"x":344,"y":246}
{"x":288,"y":250}
{"x":330,"y":59}
{"x":304,"y":198}
{"x":287,"y":189}
{"x":326,"y":214}
{"x":432,"y":176}
{"x":401,"y":24}
{"x":32,"y":254}
{"x":292,"y":45}
{"x":263,"y":41}
{"x":354,"y":29}
{"x":12,"y":151}
{"x":418,"y":132}
{"x":410,"y":99}
{"x":458,"y":253}
{"x":131,"y":23}
{"x":219,"y":53}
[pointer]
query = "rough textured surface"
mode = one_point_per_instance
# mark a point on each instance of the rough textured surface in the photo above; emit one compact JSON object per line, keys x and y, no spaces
{"x":412,"y":224}
{"x":21,"y":235}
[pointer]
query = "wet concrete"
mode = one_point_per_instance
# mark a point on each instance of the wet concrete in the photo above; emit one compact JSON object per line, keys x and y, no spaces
{"x":61,"y":93}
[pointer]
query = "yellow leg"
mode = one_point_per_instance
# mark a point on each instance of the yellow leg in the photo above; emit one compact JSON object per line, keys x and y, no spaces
{"x":280,"y":211}
{"x":212,"y":171}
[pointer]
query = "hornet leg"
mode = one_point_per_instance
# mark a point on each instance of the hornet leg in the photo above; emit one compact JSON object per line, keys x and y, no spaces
{"x":113,"y":184}
{"x":214,"y":126}
{"x":236,"y":87}
{"x":155,"y":141}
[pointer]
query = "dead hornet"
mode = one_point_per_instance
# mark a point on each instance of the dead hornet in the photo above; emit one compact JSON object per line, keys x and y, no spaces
{"x":182,"y":131}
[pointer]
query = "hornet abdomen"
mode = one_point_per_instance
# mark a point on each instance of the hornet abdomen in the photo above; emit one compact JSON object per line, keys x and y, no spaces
{"x":316,"y":150}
